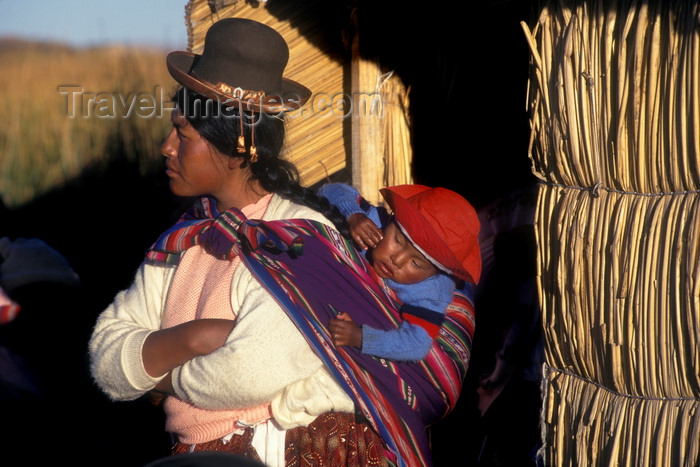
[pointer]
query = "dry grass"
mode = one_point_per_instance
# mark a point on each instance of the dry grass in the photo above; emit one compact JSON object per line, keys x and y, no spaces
{"x":46,"y":140}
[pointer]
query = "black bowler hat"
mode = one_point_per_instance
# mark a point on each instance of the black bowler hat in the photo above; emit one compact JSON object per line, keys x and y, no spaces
{"x":242,"y":64}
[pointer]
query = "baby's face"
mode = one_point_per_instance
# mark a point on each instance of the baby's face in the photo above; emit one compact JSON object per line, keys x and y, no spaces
{"x":397,"y":259}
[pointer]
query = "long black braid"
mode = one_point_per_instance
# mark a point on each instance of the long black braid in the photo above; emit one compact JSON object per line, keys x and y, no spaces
{"x":220,"y":126}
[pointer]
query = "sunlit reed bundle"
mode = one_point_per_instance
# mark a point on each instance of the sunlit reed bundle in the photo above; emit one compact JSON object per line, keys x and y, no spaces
{"x":614,"y":100}
{"x":615,"y":95}
{"x":619,"y":284}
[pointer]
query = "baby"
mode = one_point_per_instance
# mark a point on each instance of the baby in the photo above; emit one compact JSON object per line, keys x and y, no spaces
{"x":423,"y":252}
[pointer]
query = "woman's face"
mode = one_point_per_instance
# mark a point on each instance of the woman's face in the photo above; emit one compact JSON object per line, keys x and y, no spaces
{"x":195,"y":167}
{"x":397,"y":259}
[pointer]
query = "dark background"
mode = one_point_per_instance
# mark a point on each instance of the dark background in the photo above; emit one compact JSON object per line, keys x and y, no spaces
{"x":467,"y":71}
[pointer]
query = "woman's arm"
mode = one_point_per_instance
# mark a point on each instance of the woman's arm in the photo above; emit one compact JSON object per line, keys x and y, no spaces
{"x":264,"y":354}
{"x":115,"y":347}
{"x":168,"y":348}
{"x":171,"y":347}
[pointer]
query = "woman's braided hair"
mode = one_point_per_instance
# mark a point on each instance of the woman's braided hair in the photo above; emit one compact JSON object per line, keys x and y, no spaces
{"x":220,"y":126}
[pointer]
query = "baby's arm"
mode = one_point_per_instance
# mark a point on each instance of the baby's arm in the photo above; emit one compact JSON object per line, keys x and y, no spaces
{"x":408,"y":342}
{"x":364,"y":220}
{"x":423,"y":311}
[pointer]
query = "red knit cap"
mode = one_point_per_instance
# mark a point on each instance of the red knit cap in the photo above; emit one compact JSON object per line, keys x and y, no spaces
{"x":441,"y":224}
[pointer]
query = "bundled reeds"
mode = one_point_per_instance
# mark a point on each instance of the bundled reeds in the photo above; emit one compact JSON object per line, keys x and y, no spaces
{"x":615,"y":95}
{"x":619,"y":282}
{"x":615,"y":120}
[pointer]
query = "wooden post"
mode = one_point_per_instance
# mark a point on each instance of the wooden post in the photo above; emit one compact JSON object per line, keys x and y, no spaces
{"x":367,"y":158}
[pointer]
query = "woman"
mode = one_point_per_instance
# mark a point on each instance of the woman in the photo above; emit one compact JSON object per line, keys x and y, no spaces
{"x":271,"y":387}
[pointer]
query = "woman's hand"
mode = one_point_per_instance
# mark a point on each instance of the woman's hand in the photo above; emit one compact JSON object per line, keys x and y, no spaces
{"x":345,"y":332}
{"x":169,"y":348}
{"x":365,"y":233}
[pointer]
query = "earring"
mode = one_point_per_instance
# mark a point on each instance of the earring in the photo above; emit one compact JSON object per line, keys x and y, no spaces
{"x":241,"y":138}
{"x":253,"y":149}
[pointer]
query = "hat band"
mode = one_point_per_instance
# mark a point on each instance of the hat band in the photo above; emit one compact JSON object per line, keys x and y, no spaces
{"x":242,"y":95}
{"x":251,"y":99}
{"x":423,"y":252}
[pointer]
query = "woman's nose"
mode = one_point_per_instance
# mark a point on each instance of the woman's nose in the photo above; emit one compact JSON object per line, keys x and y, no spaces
{"x":168,"y":148}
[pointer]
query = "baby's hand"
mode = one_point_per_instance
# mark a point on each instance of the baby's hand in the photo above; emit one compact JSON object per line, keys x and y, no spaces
{"x":365,"y":232}
{"x":345,"y":332}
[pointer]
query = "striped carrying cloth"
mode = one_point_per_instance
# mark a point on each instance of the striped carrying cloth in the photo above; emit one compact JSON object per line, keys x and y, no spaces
{"x":314,"y":274}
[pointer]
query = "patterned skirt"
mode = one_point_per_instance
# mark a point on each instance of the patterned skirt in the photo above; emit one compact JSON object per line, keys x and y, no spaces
{"x":333,"y":439}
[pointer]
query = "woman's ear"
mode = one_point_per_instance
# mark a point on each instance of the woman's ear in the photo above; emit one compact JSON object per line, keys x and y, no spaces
{"x":235,"y":162}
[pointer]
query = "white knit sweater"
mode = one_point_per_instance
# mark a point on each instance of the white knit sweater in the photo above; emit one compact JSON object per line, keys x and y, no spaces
{"x":265,"y":358}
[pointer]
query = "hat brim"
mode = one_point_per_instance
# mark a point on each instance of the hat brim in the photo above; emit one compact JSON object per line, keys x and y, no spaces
{"x":291,"y":97}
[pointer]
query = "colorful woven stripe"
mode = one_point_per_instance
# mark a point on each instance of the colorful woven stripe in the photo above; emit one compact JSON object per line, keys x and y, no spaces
{"x":314,"y":274}
{"x":427,"y":319}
